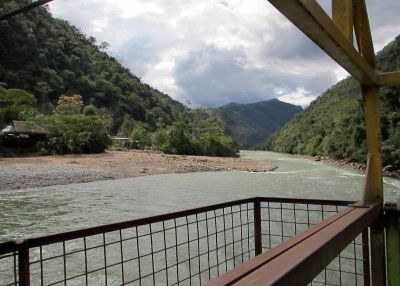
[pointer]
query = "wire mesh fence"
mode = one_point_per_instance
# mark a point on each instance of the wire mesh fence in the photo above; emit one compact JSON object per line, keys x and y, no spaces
{"x":283,"y":220}
{"x":185,"y":248}
{"x":182,"y":248}
{"x":9,"y":268}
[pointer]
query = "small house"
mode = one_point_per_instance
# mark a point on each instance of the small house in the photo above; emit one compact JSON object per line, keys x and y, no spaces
{"x":22,"y":135}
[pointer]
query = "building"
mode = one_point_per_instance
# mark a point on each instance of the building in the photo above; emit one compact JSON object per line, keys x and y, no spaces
{"x":22,"y":136}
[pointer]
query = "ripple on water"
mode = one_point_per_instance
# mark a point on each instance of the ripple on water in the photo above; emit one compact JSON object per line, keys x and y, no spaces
{"x":65,"y":207}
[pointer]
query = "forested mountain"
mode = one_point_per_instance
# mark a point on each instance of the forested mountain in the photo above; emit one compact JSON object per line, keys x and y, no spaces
{"x":48,"y":57}
{"x":333,"y":124}
{"x":249,"y":124}
{"x":68,"y":84}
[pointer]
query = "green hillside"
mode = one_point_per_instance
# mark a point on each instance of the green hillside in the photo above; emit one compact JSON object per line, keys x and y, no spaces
{"x":249,"y":124}
{"x":333,"y":124}
{"x":52,"y":74}
{"x":48,"y":57}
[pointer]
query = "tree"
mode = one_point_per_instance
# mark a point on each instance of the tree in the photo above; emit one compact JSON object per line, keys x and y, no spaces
{"x":217,"y":145}
{"x":13,"y":102}
{"x":75,"y":133}
{"x":140,"y":136}
{"x":48,"y":57}
{"x":175,"y":139}
{"x":69,"y":105}
{"x":104,"y":46}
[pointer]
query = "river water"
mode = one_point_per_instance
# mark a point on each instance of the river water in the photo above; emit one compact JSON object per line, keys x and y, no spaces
{"x":38,"y":211}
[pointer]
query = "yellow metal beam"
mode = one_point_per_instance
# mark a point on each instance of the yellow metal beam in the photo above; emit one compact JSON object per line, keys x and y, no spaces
{"x":370,"y":94}
{"x":335,"y":38}
{"x":312,"y":20}
{"x":342,"y":16}
{"x":363,"y":32}
{"x":389,"y":78}
{"x":374,"y":181}
{"x":374,"y":185}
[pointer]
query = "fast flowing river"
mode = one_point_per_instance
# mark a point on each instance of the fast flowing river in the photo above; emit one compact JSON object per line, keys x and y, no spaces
{"x":39,"y":211}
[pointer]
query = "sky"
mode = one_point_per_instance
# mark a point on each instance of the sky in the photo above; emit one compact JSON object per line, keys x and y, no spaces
{"x":214,"y":52}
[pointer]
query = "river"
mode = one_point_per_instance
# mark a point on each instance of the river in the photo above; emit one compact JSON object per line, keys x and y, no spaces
{"x":38,"y":211}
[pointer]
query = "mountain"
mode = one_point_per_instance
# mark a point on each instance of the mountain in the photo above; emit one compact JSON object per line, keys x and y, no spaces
{"x":53,"y":75}
{"x":49,"y":57}
{"x":249,"y":124}
{"x":333,"y":125}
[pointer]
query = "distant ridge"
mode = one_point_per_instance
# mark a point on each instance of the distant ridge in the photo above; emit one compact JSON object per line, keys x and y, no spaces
{"x":333,"y":125}
{"x":251,"y":123}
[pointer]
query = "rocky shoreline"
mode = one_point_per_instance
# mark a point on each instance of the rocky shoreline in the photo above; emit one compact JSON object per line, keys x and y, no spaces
{"x":389,"y":170}
{"x":40,"y":171}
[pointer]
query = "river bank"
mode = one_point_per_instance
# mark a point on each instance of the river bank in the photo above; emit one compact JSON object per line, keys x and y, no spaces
{"x":28,"y":172}
{"x":388,"y":170}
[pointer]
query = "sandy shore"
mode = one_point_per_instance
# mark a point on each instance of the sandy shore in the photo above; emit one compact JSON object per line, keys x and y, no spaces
{"x":27,"y":172}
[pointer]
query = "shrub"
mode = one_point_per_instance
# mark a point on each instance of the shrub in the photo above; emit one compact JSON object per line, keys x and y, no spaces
{"x":175,"y":139}
{"x":76,"y":133}
{"x":217,"y":145}
{"x":140,"y":137}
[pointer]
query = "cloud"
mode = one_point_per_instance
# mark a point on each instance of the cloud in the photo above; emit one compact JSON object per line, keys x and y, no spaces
{"x":217,"y":51}
{"x":213,"y":76}
{"x":298,"y":97}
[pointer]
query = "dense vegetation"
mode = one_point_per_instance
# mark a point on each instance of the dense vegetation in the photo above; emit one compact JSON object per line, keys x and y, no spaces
{"x":44,"y":59}
{"x":333,"y":124}
{"x":200,"y":132}
{"x":49,"y":57}
{"x":249,"y":124}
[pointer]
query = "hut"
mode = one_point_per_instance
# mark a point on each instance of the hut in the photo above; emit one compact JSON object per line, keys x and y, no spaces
{"x":23,"y":136}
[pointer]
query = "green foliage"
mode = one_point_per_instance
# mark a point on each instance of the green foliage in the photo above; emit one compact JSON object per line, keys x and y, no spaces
{"x":90,"y":110}
{"x":175,"y":139}
{"x":194,"y":138}
{"x":205,"y":121}
{"x":213,"y":145}
{"x":333,"y":125}
{"x":208,"y":134}
{"x":69,"y":105}
{"x":76,"y":133}
{"x":249,"y":124}
{"x":13,"y":102}
{"x":70,"y":132}
{"x":140,"y":136}
{"x":127,"y":126}
{"x":49,"y":57}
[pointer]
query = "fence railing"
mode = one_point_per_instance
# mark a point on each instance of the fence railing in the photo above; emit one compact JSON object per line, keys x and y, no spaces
{"x":182,"y":248}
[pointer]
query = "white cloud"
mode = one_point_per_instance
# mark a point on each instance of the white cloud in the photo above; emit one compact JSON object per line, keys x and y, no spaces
{"x":133,"y":8}
{"x":98,"y":25}
{"x":298,"y":97}
{"x":213,"y":51}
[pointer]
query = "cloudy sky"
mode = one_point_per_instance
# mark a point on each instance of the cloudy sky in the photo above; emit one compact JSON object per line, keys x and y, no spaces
{"x":213,"y":52}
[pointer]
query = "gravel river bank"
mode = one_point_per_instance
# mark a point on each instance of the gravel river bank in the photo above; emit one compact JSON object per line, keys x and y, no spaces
{"x":28,"y":172}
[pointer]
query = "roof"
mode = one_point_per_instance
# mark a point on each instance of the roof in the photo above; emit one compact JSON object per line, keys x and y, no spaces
{"x":23,"y":127}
